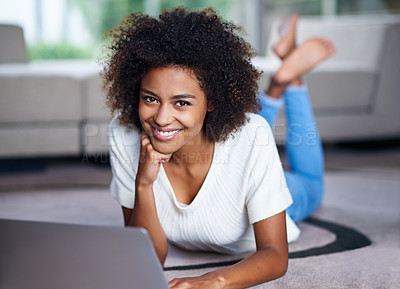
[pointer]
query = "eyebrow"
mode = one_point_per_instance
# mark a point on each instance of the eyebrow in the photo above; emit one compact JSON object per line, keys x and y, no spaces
{"x":179,"y":96}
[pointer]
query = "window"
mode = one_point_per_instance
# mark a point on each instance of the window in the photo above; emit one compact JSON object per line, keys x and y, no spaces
{"x":74,"y":28}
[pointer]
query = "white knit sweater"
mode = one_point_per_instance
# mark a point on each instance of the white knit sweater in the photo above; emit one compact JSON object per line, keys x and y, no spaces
{"x":245,"y":184}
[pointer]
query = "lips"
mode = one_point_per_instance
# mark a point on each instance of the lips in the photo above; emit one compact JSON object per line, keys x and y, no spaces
{"x":165,"y":134}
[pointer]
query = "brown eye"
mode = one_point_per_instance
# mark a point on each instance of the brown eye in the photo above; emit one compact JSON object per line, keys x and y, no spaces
{"x":149,"y":99}
{"x":182,"y":103}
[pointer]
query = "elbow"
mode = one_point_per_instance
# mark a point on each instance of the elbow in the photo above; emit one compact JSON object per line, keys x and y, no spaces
{"x":282,"y":268}
{"x":162,"y":256}
{"x":281,"y":264}
{"x":279,"y":270}
{"x":162,"y":252}
{"x":276,"y":266}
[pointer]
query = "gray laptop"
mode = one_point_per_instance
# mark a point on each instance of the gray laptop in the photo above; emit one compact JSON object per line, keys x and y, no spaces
{"x":37,"y":255}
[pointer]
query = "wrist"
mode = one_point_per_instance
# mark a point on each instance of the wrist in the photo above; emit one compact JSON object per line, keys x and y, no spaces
{"x":140,"y":187}
{"x":219,"y":278}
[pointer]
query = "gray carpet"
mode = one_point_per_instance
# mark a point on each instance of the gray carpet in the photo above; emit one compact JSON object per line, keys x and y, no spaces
{"x":362,"y":200}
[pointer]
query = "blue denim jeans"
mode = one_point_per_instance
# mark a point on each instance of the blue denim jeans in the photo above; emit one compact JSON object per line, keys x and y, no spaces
{"x":305,"y":178}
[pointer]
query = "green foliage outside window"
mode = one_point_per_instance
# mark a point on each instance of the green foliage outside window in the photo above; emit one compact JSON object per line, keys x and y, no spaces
{"x":60,"y":50}
{"x":101,"y":16}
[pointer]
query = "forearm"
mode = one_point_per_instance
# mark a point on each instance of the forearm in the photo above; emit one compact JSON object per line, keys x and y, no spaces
{"x":144,"y":215}
{"x":264,"y":265}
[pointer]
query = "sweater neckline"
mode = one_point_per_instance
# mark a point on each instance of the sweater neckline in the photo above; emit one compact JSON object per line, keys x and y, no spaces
{"x":204,"y":189}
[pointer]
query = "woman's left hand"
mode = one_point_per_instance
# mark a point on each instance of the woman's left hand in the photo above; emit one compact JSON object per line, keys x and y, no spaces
{"x":206,"y":281}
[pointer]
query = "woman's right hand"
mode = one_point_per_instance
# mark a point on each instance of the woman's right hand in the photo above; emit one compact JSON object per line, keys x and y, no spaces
{"x":149,"y":162}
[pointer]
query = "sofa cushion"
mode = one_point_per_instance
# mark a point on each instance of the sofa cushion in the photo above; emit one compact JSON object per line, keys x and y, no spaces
{"x":95,"y":137}
{"x":12,"y":44}
{"x":344,"y":87}
{"x":43,"y":92}
{"x":32,"y":140}
{"x":357,"y":39}
{"x":95,"y":107}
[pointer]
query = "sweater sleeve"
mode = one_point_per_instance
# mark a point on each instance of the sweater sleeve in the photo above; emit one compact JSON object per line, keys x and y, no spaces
{"x":123,"y":164}
{"x":267,"y":193}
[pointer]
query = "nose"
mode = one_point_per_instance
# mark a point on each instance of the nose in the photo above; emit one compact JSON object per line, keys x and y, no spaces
{"x":164,"y":115}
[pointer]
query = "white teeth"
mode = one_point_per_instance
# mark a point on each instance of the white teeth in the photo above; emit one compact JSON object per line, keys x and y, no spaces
{"x":167,"y":133}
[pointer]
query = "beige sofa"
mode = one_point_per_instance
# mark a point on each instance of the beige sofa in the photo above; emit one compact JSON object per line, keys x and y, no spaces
{"x":57,"y":108}
{"x":356,"y":93}
{"x":53,"y":108}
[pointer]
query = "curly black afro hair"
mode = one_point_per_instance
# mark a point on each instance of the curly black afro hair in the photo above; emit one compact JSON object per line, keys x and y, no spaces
{"x":201,"y":41}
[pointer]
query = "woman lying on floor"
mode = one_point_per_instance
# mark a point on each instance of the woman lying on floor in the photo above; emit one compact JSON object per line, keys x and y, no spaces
{"x":192,"y":163}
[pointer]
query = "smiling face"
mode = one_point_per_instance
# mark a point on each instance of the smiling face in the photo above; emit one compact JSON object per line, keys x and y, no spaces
{"x":172,"y":109}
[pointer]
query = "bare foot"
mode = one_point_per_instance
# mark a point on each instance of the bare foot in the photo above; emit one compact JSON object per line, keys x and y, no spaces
{"x":287,"y":32}
{"x":304,"y":58}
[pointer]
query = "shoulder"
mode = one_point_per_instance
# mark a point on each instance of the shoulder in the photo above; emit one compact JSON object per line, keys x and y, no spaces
{"x":255,"y":122}
{"x":256,"y":131}
{"x":122,"y":135}
{"x":252,"y":143}
{"x":124,"y":142}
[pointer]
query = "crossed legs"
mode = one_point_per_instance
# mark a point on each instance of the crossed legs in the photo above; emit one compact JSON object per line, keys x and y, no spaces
{"x":303,"y":144}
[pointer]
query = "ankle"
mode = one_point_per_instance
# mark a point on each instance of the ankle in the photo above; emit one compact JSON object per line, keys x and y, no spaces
{"x":297,"y":82}
{"x":275,"y":89}
{"x":282,"y":78}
